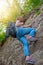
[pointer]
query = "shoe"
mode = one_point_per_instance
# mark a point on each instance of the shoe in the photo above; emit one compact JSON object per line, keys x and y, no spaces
{"x":30,"y":61}
{"x":32,"y":39}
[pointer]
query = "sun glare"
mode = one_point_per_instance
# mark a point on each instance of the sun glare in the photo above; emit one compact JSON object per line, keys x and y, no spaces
{"x":8,"y":9}
{"x":4,"y":9}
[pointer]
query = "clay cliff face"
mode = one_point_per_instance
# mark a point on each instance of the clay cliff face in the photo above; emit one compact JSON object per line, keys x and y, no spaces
{"x":11,"y":53}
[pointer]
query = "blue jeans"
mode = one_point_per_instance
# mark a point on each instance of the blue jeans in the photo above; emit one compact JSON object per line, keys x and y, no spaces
{"x":21,"y":32}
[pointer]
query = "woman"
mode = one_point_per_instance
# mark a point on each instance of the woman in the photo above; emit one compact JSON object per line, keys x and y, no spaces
{"x":21,"y":31}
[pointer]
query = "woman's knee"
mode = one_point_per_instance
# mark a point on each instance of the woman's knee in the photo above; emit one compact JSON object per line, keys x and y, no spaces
{"x":34,"y":29}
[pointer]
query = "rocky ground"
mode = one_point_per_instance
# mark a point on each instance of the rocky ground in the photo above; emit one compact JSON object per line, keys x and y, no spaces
{"x":11,"y":53}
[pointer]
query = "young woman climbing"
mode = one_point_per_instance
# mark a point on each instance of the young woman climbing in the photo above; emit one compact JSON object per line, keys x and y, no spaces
{"x":21,"y":31}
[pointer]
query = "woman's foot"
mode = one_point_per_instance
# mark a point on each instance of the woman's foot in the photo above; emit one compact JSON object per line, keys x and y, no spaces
{"x":29,"y":60}
{"x":27,"y":57}
{"x":32,"y":39}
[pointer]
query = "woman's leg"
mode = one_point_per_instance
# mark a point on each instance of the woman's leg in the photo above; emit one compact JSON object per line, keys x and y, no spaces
{"x":25,"y":31}
{"x":32,"y":33}
{"x":25,"y":46}
{"x":26,"y":50}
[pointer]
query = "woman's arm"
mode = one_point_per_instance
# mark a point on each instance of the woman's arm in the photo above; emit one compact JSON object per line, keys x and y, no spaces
{"x":18,"y":23}
{"x":27,"y":25}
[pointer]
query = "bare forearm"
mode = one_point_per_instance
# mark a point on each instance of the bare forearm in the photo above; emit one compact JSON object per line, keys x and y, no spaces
{"x":26,"y":25}
{"x":19,"y":24}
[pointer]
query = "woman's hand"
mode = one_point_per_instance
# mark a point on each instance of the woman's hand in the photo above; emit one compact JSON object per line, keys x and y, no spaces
{"x":18,"y":23}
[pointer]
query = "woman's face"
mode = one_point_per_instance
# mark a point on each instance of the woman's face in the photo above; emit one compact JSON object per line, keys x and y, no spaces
{"x":19,"y":21}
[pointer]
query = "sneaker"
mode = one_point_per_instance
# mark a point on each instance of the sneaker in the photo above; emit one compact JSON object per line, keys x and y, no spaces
{"x":32,"y":39}
{"x":30,"y":61}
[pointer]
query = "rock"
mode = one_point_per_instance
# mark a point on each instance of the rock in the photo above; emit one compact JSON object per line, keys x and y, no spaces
{"x":40,"y":62}
{"x":37,"y":55}
{"x":37,"y":22}
{"x":11,"y":53}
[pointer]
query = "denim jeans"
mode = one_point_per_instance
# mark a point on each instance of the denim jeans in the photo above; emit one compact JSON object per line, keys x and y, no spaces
{"x":21,"y":32}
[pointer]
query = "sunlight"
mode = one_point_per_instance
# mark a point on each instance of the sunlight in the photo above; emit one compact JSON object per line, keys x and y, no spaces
{"x":4,"y":9}
{"x":8,"y":9}
{"x":10,"y":1}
